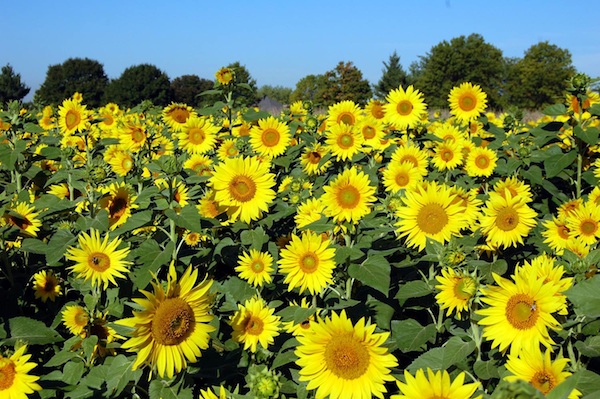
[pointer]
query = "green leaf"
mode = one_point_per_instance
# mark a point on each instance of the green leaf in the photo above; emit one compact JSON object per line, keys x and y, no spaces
{"x":296,"y":314}
{"x":555,"y":110}
{"x":590,"y":347}
{"x":443,"y":357}
{"x":59,"y":243}
{"x":589,"y":135}
{"x":187,"y":218}
{"x":557,"y":163}
{"x":160,"y":390}
{"x":411,"y":336}
{"x":584,"y":296}
{"x":236,"y":291}
{"x":284,"y":358}
{"x":251,"y":115}
{"x":135,"y":221}
{"x":34,"y":246}
{"x":60,"y":358}
{"x":488,"y":268}
{"x":254,"y":238}
{"x":72,"y":372}
{"x":588,"y":383}
{"x":373,"y":272}
{"x":486,"y":370}
{"x":151,"y":257}
{"x":120,"y":374}
{"x":564,"y":389}
{"x":31,"y":331}
{"x":383,"y":312}
{"x":413,"y":289}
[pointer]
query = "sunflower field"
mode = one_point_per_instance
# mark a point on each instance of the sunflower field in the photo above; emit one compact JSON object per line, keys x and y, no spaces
{"x":383,"y":250}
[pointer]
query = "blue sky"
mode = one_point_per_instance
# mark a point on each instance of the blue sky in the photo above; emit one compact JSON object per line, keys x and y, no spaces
{"x":279,"y":42}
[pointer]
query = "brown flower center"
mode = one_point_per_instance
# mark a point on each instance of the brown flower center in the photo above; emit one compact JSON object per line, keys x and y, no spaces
{"x":507,"y":219}
{"x":72,"y":119}
{"x":347,"y":118}
{"x":404,"y":107}
{"x":242,"y":188}
{"x":543,"y":381}
{"x":346,"y":357}
{"x":173,"y":322}
{"x":345,"y":141}
{"x":270,"y":137}
{"x":309,"y":262}
{"x":521,"y":312}
{"x":432,"y":218}
{"x":588,"y":227}
{"x":348,"y":197}
{"x":196,"y":135}
{"x":98,"y":261}
{"x":7,"y":373}
{"x":467,"y":102}
{"x":179,"y":115}
{"x":253,"y":325}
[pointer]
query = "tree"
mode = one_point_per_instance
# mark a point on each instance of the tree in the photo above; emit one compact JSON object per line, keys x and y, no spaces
{"x":345,"y":82}
{"x":139,"y":83}
{"x":279,"y":93}
{"x":310,"y":88}
{"x":81,"y":75}
{"x":540,"y":77}
{"x":393,"y":77}
{"x":11,"y":87}
{"x":244,"y":96}
{"x":186,"y":89}
{"x":463,"y":59}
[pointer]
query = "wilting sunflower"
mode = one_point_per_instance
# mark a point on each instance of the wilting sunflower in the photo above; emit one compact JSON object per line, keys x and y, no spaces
{"x":311,"y":159}
{"x":201,"y":164}
{"x":98,"y":260}
{"x":404,"y":108}
{"x":505,"y":221}
{"x":447,"y":155}
{"x":436,"y":385}
{"x":173,"y":325}
{"x":539,"y":370}
{"x":254,"y":323}
{"x":307,"y":262}
{"x":72,"y":117}
{"x":341,"y":360}
{"x":244,"y":183}
{"x":556,"y":234}
{"x":118,"y":199}
{"x":76,"y":319}
{"x":416,"y":156}
{"x":481,"y":161}
{"x":15,"y":380}
{"x":519,"y":313}
{"x":584,"y":223}
{"x":46,"y":285}
{"x":224,"y":75}
{"x":456,"y":291}
{"x":344,"y":141}
{"x":429,"y":211}
{"x":467,"y":101}
{"x":400,"y":176}
{"x":308,"y":212}
{"x":175,"y":115}
{"x":255,"y":267}
{"x":24,"y":217}
{"x":270,"y":138}
{"x":349,"y":196}
{"x":346,"y":112}
{"x":198,"y":135}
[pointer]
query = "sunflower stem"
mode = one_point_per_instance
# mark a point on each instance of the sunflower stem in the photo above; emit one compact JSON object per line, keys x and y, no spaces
{"x":579,"y":169}
{"x":349,"y":283}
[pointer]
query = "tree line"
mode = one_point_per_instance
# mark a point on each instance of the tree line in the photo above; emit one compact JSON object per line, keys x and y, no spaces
{"x":531,"y":82}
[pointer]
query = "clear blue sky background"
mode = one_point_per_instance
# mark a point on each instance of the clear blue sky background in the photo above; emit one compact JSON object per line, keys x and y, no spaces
{"x":279,"y":42}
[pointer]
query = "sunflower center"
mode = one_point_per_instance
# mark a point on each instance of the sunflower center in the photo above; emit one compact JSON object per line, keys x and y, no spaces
{"x":447,"y":155}
{"x":368,"y":132}
{"x":100,"y":331}
{"x":521,"y":312}
{"x":464,"y":288}
{"x":346,"y":117}
{"x":270,"y":137}
{"x":98,"y":261}
{"x":138,"y":135}
{"x":482,"y":162}
{"x":108,"y":119}
{"x":348,"y":197}
{"x":432,"y":218}
{"x":404,"y":107}
{"x":127,"y":163}
{"x":377,"y":111}
{"x":411,"y":159}
{"x":72,"y":119}
{"x":231,"y":151}
{"x":173,"y":322}
{"x":81,"y":318}
{"x":253,"y":325}
{"x":507,"y":219}
{"x":345,"y":141}
{"x":467,"y":102}
{"x":7,"y":373}
{"x":309,"y":262}
{"x":588,"y":227}
{"x":563,"y":232}
{"x":179,"y":115}
{"x":543,"y":381}
{"x":402,"y":179}
{"x":117,"y":207}
{"x":346,"y":357}
{"x":49,"y":286}
{"x":196,"y":135}
{"x":19,"y":221}
{"x":314,"y":157}
{"x":242,"y":188}
{"x":257,"y":266}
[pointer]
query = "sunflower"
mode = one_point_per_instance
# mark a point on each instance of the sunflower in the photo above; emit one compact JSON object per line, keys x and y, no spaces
{"x":47,"y":121}
{"x":118,"y":200}
{"x":304,"y":326}
{"x":311,"y":159}
{"x":224,"y":75}
{"x":556,"y":234}
{"x":481,"y":161}
{"x":539,"y":370}
{"x":208,"y":207}
{"x":515,"y":187}
{"x":98,"y":260}
{"x":121,"y":162}
{"x":254,"y":323}
{"x":271,"y":137}
{"x":175,"y":115}
{"x":202,"y":165}
{"x":173,"y":324}
{"x":400,"y":176}
{"x":209,"y":394}
{"x":132,"y":134}
{"x":245,"y":184}
{"x":519,"y":313}
{"x":255,"y":267}
{"x":584,"y":223}
{"x":197,"y":135}
{"x":346,"y":112}
{"x":307,"y":262}
{"x":228,"y":149}
{"x":447,"y":155}
{"x":456,"y":291}
{"x":46,"y":285}
{"x":471,"y":204}
{"x":342,"y":360}
{"x":404,"y":109}
{"x":308,"y":212}
{"x":15,"y":380}
{"x":429,"y":211}
{"x":467,"y":101}
{"x":372,"y":130}
{"x":505,"y":221}
{"x":375,"y":108}
{"x":449,"y":132}
{"x":344,"y":141}
{"x":349,"y":196}
{"x":436,"y":385}
{"x":76,"y":319}
{"x":568,"y":208}
{"x":72,"y":117}
{"x":416,"y":156}
{"x":24,"y":217}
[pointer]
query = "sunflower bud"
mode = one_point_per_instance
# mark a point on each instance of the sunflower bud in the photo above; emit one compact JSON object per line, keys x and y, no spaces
{"x":263,"y":383}
{"x":97,"y":173}
{"x":579,"y":83}
{"x":519,"y":389}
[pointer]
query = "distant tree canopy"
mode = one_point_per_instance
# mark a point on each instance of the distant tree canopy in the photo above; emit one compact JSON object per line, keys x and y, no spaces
{"x":279,"y":93}
{"x":81,"y":75}
{"x":346,"y":82}
{"x":139,"y":83}
{"x":244,"y":97}
{"x":186,"y":89}
{"x":393,"y":77}
{"x":310,"y":88}
{"x":11,"y":87}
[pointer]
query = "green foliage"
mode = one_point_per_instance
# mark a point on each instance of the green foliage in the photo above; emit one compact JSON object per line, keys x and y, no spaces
{"x":187,"y":88}
{"x":310,"y":88}
{"x":278,"y":93}
{"x":11,"y":87}
{"x":346,"y":82}
{"x":140,"y":83}
{"x":246,"y":96}
{"x":393,"y":77}
{"x":81,"y":75}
